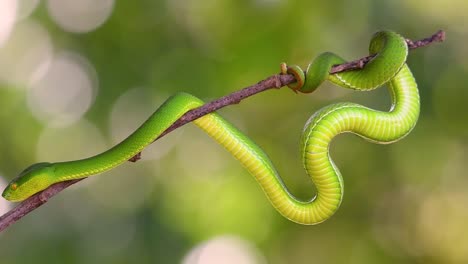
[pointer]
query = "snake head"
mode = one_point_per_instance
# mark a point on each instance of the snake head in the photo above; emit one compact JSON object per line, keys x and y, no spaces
{"x":33,"y":179}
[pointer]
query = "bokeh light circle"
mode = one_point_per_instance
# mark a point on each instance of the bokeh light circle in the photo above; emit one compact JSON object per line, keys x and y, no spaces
{"x":26,"y":7}
{"x":5,"y":206}
{"x":226,"y":250}
{"x":22,"y":63}
{"x":80,"y":16}
{"x":65,"y":92}
{"x":83,"y":139}
{"x":7,"y":18}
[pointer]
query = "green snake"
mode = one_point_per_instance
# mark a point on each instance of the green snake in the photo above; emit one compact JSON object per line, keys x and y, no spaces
{"x":387,"y":67}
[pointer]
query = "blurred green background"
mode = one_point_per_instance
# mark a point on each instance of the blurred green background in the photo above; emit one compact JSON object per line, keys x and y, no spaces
{"x":77,"y":77}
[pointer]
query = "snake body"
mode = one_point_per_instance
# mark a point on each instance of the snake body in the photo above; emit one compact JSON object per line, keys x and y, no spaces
{"x":388,"y":67}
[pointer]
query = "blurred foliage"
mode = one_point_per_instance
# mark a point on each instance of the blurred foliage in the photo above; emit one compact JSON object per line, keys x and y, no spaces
{"x":404,"y":203}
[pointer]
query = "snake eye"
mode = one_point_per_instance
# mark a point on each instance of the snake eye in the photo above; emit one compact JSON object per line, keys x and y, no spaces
{"x":14,"y":186}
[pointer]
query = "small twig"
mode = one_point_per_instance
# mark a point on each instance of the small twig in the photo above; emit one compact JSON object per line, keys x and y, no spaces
{"x":275,"y":81}
{"x":439,"y":36}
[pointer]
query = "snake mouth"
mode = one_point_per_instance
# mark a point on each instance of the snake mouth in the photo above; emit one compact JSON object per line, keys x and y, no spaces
{"x":9,"y":198}
{"x":6,"y":194}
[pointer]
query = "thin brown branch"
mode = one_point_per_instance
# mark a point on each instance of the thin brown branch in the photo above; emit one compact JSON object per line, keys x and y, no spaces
{"x":275,"y":81}
{"x":439,"y":36}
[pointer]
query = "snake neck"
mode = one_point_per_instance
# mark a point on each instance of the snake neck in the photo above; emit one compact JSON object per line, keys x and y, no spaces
{"x":107,"y":160}
{"x":174,"y":107}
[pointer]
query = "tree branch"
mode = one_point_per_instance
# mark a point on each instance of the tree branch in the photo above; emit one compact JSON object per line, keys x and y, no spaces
{"x":276,"y":81}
